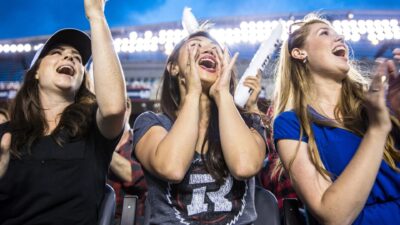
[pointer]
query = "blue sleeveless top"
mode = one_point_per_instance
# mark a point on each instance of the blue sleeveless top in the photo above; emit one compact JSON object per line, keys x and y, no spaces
{"x":337,"y":147}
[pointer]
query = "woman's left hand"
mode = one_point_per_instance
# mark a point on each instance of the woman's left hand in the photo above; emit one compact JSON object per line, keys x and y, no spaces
{"x":394,"y":84}
{"x":94,"y":8}
{"x":222,"y":83}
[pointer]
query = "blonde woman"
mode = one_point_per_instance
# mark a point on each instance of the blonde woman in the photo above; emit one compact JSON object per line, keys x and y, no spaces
{"x":335,"y":137}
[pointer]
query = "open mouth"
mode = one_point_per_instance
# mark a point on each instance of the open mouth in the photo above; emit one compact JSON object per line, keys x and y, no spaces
{"x":66,"y":69}
{"x":339,"y":51}
{"x":208,"y":63}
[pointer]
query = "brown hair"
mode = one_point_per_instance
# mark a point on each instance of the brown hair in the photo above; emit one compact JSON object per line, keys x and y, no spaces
{"x":4,"y":112}
{"x":170,"y":99}
{"x":28,"y":121}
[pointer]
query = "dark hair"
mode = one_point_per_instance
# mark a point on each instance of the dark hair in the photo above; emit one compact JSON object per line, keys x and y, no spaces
{"x":170,"y":99}
{"x":4,"y":112}
{"x":28,"y":121}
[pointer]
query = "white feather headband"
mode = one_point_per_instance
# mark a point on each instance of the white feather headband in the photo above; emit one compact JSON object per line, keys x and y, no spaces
{"x":190,"y":23}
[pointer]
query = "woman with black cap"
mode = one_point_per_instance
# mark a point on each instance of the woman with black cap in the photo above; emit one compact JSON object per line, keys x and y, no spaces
{"x":56,"y":149}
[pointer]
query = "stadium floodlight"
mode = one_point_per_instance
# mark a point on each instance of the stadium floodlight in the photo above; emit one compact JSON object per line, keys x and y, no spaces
{"x":353,"y":23}
{"x":369,"y":22}
{"x":361,"y":23}
{"x":377,"y":23}
{"x":37,"y":46}
{"x":27,"y":47}
{"x":117,"y":41}
{"x":162,"y":33}
{"x":336,"y":24}
{"x":133,"y":35}
{"x":380,"y":36}
{"x":373,"y":29}
{"x":178,"y":33}
{"x":285,"y":36}
{"x":355,"y":37}
{"x":146,"y":47}
{"x":13,"y":48}
{"x":20,"y":48}
{"x":124,"y":47}
{"x":117,"y":48}
{"x":170,"y":33}
{"x":244,"y":25}
{"x":267,"y":24}
{"x":131,"y":48}
{"x":125,"y":41}
{"x":350,"y":15}
{"x":154,"y":42}
{"x":396,"y":35}
{"x":394,"y":22}
{"x":362,"y":30}
{"x":139,"y":48}
{"x":372,"y":36}
{"x":259,"y":25}
{"x":252,"y":25}
{"x":148,"y":34}
{"x":168,"y":49}
{"x":161,"y":40}
{"x":154,"y":47}
{"x":389,"y":35}
{"x":385,"y":22}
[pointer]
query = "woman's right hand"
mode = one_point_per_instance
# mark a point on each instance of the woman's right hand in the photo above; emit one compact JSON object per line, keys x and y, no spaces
{"x":4,"y":153}
{"x":378,"y":113}
{"x":94,"y":8}
{"x":190,"y":76}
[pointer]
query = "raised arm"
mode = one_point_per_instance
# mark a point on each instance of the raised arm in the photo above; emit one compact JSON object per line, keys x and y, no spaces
{"x":341,"y":201}
{"x":243,"y":148}
{"x":109,"y":81}
{"x":4,"y":153}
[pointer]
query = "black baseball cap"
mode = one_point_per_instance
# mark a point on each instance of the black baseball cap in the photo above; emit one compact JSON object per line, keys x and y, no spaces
{"x":69,"y":36}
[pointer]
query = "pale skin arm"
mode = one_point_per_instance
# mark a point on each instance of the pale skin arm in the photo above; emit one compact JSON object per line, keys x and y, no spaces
{"x":107,"y":72}
{"x":168,"y":154}
{"x":4,"y":153}
{"x":243,"y":148}
{"x":121,"y":167}
{"x":341,"y":201}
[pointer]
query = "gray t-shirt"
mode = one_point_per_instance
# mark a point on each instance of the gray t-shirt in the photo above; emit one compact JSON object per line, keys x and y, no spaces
{"x":198,"y":199}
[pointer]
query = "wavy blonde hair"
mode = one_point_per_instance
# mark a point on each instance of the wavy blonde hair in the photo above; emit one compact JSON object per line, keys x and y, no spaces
{"x":292,"y":87}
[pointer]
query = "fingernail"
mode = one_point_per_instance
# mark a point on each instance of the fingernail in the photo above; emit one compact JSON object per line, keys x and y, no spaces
{"x":383,"y":79}
{"x":380,"y":60}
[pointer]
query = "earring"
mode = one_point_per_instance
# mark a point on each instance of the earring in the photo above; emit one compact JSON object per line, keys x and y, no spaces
{"x":37,"y":76}
{"x":305,"y":60}
{"x":182,"y":80}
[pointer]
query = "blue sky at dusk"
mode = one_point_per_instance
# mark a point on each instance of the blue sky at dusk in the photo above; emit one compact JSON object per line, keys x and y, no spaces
{"x":22,"y":18}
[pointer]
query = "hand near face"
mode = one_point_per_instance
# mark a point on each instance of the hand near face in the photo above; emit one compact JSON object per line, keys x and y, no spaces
{"x":394,"y":84}
{"x":396,"y":54}
{"x":94,"y":8}
{"x":222,"y":84}
{"x":4,"y":153}
{"x":190,"y":77}
{"x":375,"y":102}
